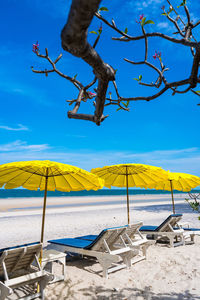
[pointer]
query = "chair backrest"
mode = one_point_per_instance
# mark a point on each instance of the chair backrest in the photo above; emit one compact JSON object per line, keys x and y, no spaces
{"x":19,"y":258}
{"x":169,"y":223}
{"x":133,"y":229}
{"x":107,"y":236}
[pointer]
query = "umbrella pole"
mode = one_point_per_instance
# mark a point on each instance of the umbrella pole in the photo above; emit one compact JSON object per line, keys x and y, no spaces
{"x":127,"y":196}
{"x":44,"y":207}
{"x":171,"y":185}
{"x":43,"y":220}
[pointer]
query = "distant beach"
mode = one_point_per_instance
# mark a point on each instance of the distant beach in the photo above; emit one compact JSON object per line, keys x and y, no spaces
{"x":21,"y":193}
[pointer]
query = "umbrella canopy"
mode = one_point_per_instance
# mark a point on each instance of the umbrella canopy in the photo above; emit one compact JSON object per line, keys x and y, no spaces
{"x":130,"y":175}
{"x":48,"y":176}
{"x":177,"y":181}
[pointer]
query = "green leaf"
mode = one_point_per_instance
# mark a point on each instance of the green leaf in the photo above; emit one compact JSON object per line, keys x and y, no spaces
{"x":115,"y":71}
{"x":182,"y":4}
{"x":125,"y":104}
{"x":118,"y":109}
{"x":149,"y":22}
{"x":136,"y":79}
{"x":93,"y":32}
{"x":143,"y":21}
{"x":126,"y":30}
{"x":74,"y":76}
{"x":103,"y":9}
{"x":197,"y":92}
{"x":99,"y":31}
{"x":169,"y":12}
{"x":163,"y":14}
{"x":140,"y":77}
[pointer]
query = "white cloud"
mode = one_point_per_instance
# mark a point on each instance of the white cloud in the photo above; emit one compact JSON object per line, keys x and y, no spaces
{"x":19,"y":146}
{"x":176,"y":160}
{"x":20,"y":128}
{"x":141,"y":5}
{"x":163,"y":25}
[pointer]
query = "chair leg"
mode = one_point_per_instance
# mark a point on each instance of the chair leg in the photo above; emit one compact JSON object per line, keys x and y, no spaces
{"x":192,"y":238}
{"x":171,"y":241}
{"x":105,"y":263}
{"x":4,"y":292}
{"x":144,"y":250}
{"x":42,"y":284}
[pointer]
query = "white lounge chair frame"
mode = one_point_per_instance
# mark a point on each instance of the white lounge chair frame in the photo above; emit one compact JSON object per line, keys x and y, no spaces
{"x":17,"y":270}
{"x":135,"y":240}
{"x":105,"y":251}
{"x":176,"y":237}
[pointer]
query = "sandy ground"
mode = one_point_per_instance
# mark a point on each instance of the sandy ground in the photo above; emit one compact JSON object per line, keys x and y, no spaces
{"x":168,"y":273}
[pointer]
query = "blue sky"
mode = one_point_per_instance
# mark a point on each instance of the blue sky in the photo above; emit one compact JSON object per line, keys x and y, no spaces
{"x":33,"y":119}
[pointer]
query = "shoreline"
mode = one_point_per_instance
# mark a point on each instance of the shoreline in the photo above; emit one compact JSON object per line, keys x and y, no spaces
{"x":36,"y":203}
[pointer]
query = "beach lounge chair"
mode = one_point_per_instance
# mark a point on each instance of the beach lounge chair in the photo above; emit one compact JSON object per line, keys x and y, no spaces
{"x":169,"y":231}
{"x":103,"y":248}
{"x":17,"y":271}
{"x":131,"y":237}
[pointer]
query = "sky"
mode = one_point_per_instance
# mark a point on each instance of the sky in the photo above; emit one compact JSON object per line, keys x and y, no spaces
{"x":33,"y":118}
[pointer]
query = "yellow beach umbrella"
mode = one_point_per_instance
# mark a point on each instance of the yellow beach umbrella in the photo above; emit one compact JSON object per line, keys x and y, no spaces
{"x":130,"y":175}
{"x":177,"y":181}
{"x":48,"y":176}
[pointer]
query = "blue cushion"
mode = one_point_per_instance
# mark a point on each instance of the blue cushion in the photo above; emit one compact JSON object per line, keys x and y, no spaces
{"x":77,"y":243}
{"x":189,"y":229}
{"x":148,"y":228}
{"x":89,"y":237}
{"x":19,"y":246}
{"x":82,"y":243}
{"x":192,"y":229}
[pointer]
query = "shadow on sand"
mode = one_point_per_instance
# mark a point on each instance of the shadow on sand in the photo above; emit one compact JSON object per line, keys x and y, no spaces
{"x":100,"y":293}
{"x":181,"y":208}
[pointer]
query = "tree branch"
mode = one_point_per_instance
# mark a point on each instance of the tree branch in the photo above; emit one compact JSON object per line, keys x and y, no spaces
{"x":74,"y":40}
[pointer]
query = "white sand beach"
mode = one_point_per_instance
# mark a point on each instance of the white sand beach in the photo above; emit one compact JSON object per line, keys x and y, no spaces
{"x":168,"y":273}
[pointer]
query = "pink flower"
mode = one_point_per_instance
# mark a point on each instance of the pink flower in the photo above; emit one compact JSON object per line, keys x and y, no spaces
{"x":92,"y":94}
{"x":35,"y":47}
{"x":157,"y":55}
{"x":88,"y":95}
{"x":140,"y":19}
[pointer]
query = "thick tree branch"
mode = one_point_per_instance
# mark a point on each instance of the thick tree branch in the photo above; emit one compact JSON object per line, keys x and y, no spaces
{"x":74,"y":40}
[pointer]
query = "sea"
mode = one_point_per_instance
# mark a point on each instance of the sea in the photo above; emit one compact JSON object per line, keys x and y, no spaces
{"x":20,"y":193}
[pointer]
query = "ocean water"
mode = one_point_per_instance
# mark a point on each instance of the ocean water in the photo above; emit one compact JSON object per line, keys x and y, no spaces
{"x":20,"y":193}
